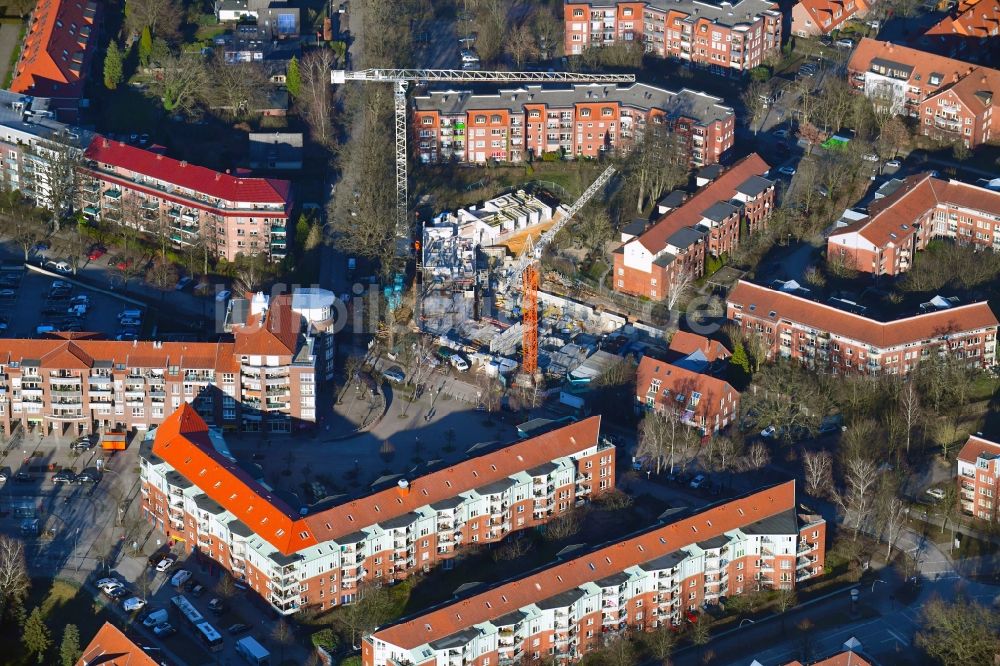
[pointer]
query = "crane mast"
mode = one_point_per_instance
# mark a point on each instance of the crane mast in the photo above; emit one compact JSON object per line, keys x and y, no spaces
{"x":400,"y":78}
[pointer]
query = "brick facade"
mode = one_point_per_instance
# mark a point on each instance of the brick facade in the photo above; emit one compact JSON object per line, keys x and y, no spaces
{"x":978,"y":474}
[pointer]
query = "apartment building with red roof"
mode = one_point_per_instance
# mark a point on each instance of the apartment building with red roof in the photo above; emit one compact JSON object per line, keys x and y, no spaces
{"x":969,"y":32}
{"x":110,"y":647}
{"x":658,"y":578}
{"x":686,"y":344}
{"x":683,"y":390}
{"x":720,"y":36}
{"x":812,"y":18}
{"x":234,"y":214}
{"x":265,"y":380}
{"x":885,"y":240}
{"x":951,"y":100}
{"x":978,"y":478}
{"x":57,"y":51}
{"x":197,"y":494}
{"x":672,"y":251}
{"x":832,"y":339}
{"x":583,"y":121}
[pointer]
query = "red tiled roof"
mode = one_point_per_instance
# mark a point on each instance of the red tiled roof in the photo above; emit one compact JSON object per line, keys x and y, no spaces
{"x":847,"y":658}
{"x":972,"y":18}
{"x":509,"y":597}
{"x":182,"y":442}
{"x":976,"y":446}
{"x":81,"y":353}
{"x":821,"y":10}
{"x":690,"y":213}
{"x":919,"y":194}
{"x":278,"y":329}
{"x":53,"y":57}
{"x":688,"y":343}
{"x":925,"y":64}
{"x":110,"y":647}
{"x":682,"y":382}
{"x":189,"y":176}
{"x":856,"y":327}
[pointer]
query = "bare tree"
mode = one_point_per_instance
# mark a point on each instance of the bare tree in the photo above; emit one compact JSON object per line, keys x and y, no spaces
{"x":25,"y":230}
{"x":756,"y":98}
{"x":522,"y":45}
{"x":860,"y":477}
{"x":14,"y":581}
{"x":59,"y":180}
{"x":757,"y":456}
{"x":372,"y":605}
{"x":893,"y":520}
{"x":162,"y":17}
{"x":180,"y":83}
{"x":910,"y":410}
{"x":238,"y":88}
{"x":818,"y":468}
{"x":661,"y":434}
{"x":958,"y":632}
{"x":680,"y":286}
{"x":315,"y":96}
{"x":563,"y":527}
{"x":491,"y":22}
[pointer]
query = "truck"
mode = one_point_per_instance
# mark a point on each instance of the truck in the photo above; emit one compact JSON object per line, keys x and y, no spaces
{"x":252,"y":651}
{"x":114,"y":440}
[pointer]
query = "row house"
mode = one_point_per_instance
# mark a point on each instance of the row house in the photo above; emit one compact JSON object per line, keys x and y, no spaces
{"x":672,"y":251}
{"x":232,"y":214}
{"x":264,"y":380}
{"x":968,"y":32}
{"x":812,"y":18}
{"x":724,"y":36}
{"x":832,"y":339}
{"x":978,"y":472}
{"x":950,"y":100}
{"x":661,"y":577}
{"x":583,"y":121}
{"x":883,"y":241}
{"x":57,"y":53}
{"x":194,"y":492}
{"x":682,"y":390}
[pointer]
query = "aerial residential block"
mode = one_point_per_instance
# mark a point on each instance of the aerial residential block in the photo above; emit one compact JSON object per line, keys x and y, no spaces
{"x":659,"y":578}
{"x":195,"y":492}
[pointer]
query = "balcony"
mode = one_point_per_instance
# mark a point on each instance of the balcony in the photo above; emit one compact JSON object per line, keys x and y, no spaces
{"x":113,"y":194}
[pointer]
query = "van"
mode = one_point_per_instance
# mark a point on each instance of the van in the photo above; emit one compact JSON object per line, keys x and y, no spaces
{"x":130,"y":314}
{"x":156,"y":617}
{"x":253,"y":652}
{"x":458,"y":363}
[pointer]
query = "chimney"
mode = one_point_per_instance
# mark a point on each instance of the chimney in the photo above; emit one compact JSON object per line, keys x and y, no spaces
{"x":404,"y":487}
{"x":184,"y":163}
{"x":159,"y":156}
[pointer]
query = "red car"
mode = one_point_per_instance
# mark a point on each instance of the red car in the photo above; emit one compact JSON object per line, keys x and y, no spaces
{"x":123,"y":264}
{"x":96,"y":252}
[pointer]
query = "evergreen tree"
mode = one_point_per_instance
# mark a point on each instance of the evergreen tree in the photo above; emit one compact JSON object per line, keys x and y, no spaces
{"x":145,"y":46}
{"x":302,"y":230}
{"x":315,"y":237}
{"x":739,"y":364}
{"x":36,"y":638}
{"x":293,"y":79}
{"x":69,"y":650}
{"x":113,"y":67}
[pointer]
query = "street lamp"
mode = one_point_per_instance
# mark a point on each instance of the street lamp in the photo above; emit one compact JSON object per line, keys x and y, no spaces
{"x":746,"y":619}
{"x":877,"y":580}
{"x":77,"y":548}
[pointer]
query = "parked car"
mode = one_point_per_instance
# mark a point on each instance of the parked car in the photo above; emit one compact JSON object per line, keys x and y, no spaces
{"x":133,"y":604}
{"x":125,"y":323}
{"x":4,"y":474}
{"x":62,"y":267}
{"x":893,"y":164}
{"x":870,"y":157}
{"x":155,"y":617}
{"x":768,"y":432}
{"x":96,"y":252}
{"x":936,"y":493}
{"x":105,"y":582}
{"x":781,"y":133}
{"x":844,"y":43}
{"x":123,"y":264}
{"x":198,"y":590}
{"x":89,"y":475}
{"x":223,"y":296}
{"x":238,"y":628}
{"x":787,"y":170}
{"x":183,"y":283}
{"x":180,"y":578}
{"x":217,"y":606}
{"x":116,"y":593}
{"x":394,"y":374}
{"x":166,"y":563}
{"x":163,"y":630}
{"x":80,"y":299}
{"x":8,"y":293}
{"x":697,"y":481}
{"x":459,"y":363}
{"x":41,"y":246}
{"x":63,"y":476}
{"x":22,"y":477}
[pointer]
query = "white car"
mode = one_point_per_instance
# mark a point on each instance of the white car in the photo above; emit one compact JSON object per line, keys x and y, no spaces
{"x":697,"y":481}
{"x":133,"y":604}
{"x":180,"y":578}
{"x":845,"y":43}
{"x":768,"y":432}
{"x":787,"y":171}
{"x":108,"y":582}
{"x":894,"y":164}
{"x":458,"y":363}
{"x":165,"y":564}
{"x":870,"y":157}
{"x":223,"y":295}
{"x":936,"y":493}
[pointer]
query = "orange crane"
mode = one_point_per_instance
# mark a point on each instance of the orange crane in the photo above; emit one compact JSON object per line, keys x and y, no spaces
{"x":525,"y":273}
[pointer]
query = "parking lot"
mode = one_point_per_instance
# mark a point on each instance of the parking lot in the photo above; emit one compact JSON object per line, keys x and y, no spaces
{"x":33,"y":304}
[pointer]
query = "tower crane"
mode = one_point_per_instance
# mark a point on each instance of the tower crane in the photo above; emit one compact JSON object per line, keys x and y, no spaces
{"x":400,"y":79}
{"x":525,"y":271}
